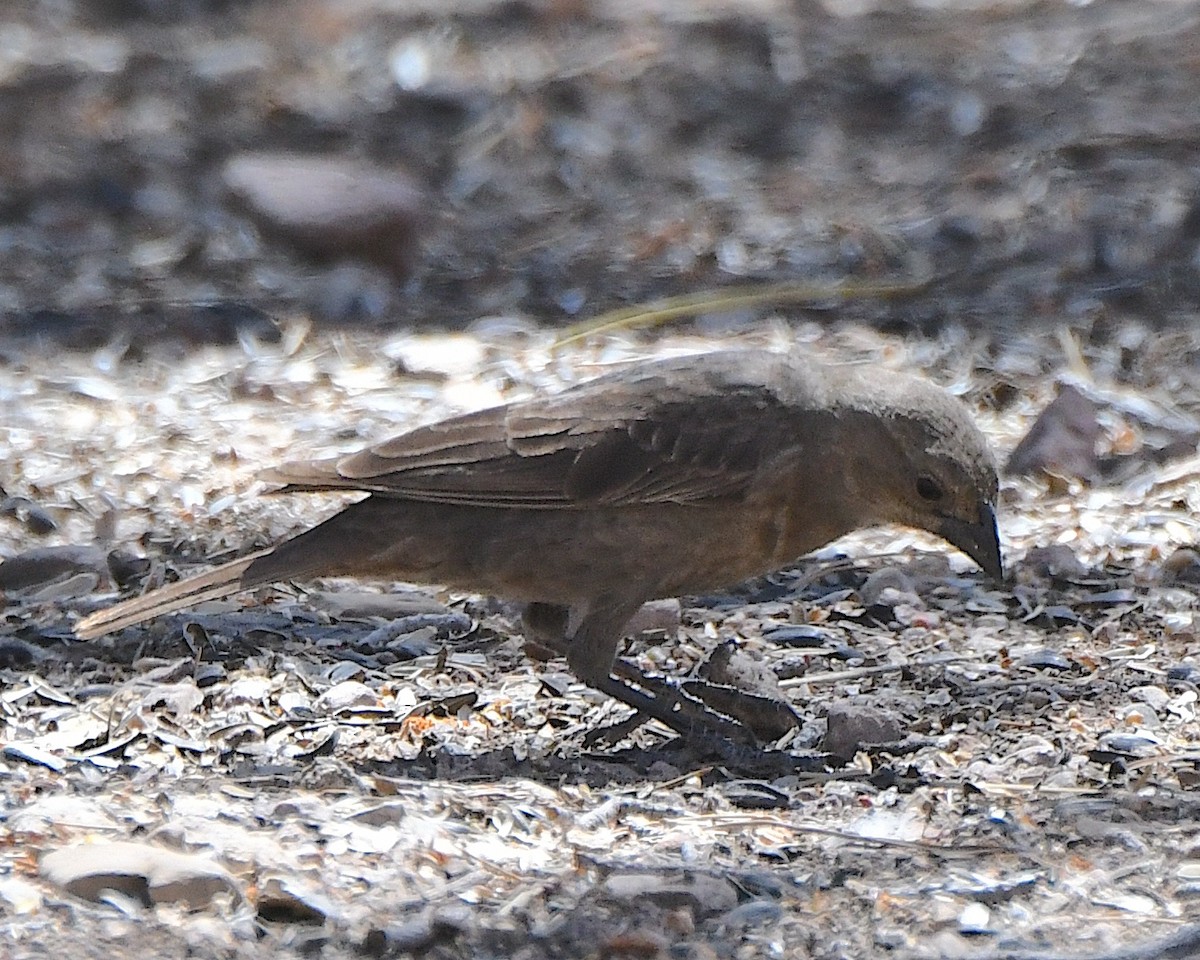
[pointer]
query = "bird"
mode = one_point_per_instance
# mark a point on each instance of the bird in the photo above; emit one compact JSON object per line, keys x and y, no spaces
{"x":664,"y":478}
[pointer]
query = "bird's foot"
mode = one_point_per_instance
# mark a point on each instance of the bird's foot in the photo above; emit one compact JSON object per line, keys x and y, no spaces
{"x":698,"y":724}
{"x":768,"y":718}
{"x":546,"y":629}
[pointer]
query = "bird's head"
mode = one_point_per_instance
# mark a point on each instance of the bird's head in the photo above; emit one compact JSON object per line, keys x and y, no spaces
{"x":927,"y":465}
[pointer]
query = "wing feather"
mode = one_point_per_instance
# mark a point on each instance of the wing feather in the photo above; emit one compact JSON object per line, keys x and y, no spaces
{"x":675,"y":431}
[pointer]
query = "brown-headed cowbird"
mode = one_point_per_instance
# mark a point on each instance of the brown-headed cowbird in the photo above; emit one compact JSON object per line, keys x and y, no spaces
{"x":672,"y":477}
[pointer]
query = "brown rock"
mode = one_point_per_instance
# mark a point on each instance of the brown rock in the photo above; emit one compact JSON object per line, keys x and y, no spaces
{"x":853,"y":725}
{"x":331,"y":207}
{"x":147,"y":873}
{"x":1062,"y":441}
{"x":705,"y":895}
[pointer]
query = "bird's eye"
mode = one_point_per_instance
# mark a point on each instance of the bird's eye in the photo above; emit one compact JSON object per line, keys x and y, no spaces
{"x":928,"y":489}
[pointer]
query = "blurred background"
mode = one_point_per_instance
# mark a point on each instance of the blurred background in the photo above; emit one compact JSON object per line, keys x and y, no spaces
{"x":191,"y":169}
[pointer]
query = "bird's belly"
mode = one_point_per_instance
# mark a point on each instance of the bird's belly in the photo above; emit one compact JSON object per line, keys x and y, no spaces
{"x":571,"y":556}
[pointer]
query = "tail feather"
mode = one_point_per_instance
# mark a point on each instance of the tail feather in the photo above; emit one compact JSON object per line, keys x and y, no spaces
{"x":349,"y":543}
{"x":221,"y":582}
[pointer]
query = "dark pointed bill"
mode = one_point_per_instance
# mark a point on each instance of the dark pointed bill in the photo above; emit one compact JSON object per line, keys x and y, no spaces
{"x":980,"y":540}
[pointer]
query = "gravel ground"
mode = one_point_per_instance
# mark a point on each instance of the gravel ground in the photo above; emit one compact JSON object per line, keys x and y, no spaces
{"x":379,"y":769}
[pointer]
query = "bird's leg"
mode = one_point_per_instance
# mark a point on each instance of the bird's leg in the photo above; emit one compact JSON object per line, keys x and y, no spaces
{"x":551,"y":626}
{"x":590,"y":648}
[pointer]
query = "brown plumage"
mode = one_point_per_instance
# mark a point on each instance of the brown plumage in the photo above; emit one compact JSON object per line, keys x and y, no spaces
{"x":666,"y":478}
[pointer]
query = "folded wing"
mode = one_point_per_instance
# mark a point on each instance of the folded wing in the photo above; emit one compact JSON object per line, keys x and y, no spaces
{"x":674,"y":433}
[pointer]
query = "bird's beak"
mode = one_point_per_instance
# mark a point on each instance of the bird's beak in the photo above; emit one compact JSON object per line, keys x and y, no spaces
{"x":979,"y":540}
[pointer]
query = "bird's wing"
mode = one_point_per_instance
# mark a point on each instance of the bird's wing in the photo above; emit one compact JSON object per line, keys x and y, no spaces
{"x":665,"y":433}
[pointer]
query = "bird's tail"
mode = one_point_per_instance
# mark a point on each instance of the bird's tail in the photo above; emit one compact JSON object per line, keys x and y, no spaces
{"x":226,"y":579}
